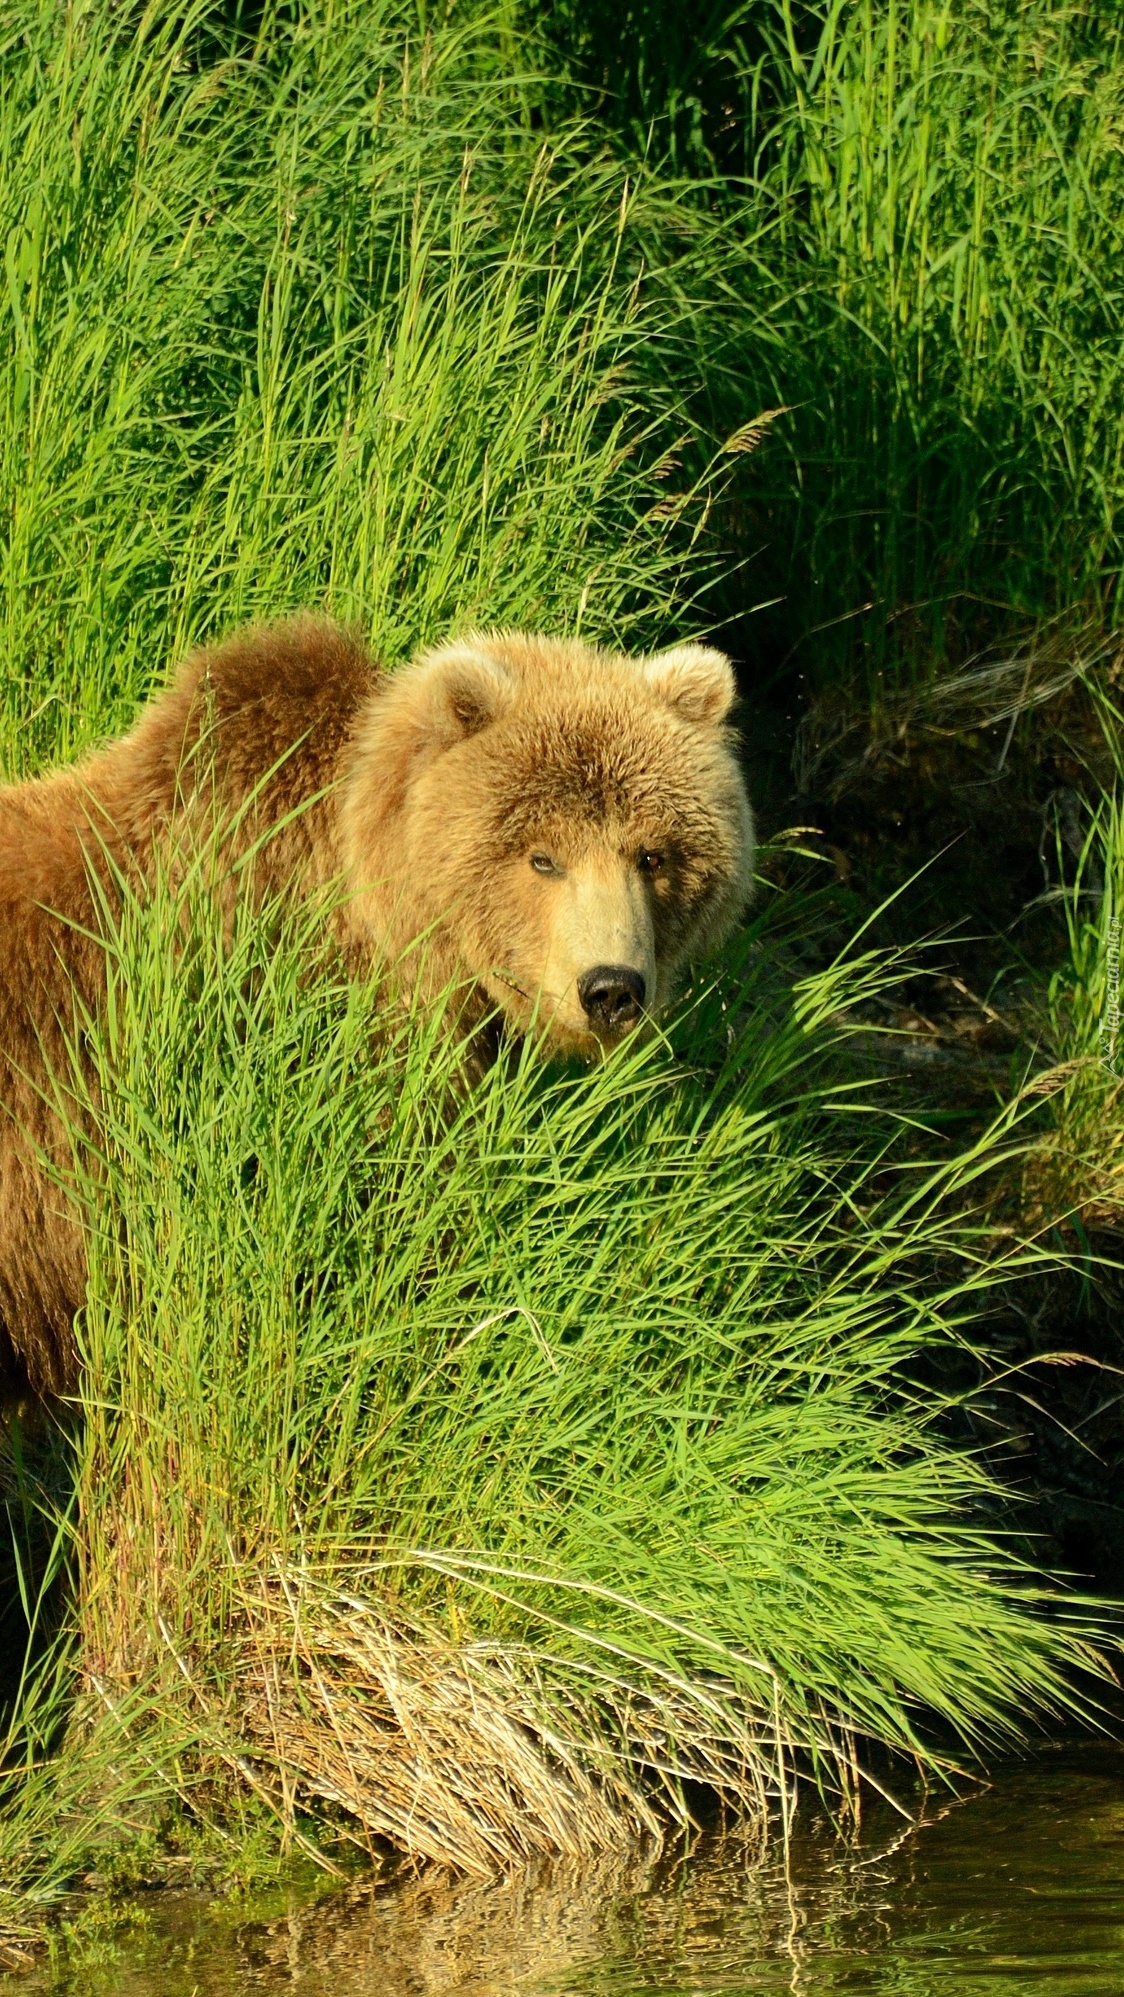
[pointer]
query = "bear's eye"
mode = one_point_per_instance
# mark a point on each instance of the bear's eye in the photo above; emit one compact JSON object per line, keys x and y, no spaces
{"x":543,"y":864}
{"x":648,"y":861}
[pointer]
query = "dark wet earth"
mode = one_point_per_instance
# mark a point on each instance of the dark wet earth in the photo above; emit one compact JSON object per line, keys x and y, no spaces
{"x":1020,"y":1889}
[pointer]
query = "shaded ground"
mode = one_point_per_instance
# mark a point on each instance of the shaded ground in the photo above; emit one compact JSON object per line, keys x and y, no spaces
{"x":952,"y":832}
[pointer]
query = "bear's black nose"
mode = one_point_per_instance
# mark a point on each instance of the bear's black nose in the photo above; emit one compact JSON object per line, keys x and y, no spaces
{"x":612,"y":996}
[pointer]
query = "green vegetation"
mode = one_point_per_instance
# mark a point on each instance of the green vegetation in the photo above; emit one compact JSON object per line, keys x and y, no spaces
{"x":1078,"y":1164}
{"x":479,"y":1467}
{"x":922,"y":260}
{"x":487,"y":1461}
{"x":321,"y":324}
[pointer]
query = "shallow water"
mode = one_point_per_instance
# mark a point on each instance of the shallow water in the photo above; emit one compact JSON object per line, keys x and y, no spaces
{"x":1020,"y":1889}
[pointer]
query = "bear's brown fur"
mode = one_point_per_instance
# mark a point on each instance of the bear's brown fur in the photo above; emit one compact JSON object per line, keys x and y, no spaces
{"x":565,"y":826}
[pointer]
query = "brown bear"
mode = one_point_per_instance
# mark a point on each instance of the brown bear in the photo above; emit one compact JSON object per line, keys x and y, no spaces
{"x":565,"y":826}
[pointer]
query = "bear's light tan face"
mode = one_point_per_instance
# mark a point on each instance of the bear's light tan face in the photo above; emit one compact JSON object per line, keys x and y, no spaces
{"x":581,"y":959}
{"x":569,"y":827}
{"x":598,"y":938}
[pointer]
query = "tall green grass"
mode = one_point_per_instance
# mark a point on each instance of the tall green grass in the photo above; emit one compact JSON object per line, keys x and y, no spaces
{"x":924,"y":256}
{"x":318,"y":322}
{"x":597,"y":1384}
{"x":1078,"y":1170}
{"x":239,"y":288}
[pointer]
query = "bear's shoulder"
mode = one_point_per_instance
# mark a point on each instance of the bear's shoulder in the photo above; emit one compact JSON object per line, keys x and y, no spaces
{"x":274,"y":691}
{"x":292,"y":673}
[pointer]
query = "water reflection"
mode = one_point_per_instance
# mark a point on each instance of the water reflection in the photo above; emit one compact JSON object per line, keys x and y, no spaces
{"x":1019,"y":1891}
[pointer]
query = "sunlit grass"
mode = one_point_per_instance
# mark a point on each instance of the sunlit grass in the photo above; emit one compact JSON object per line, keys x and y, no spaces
{"x":580,"y":1400}
{"x":320,"y":323}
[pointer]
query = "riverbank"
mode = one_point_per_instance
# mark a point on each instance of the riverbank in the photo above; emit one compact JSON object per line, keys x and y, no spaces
{"x":1018,"y":1886}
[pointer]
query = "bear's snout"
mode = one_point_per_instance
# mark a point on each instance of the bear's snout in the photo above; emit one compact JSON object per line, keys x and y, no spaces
{"x":612,"y":998}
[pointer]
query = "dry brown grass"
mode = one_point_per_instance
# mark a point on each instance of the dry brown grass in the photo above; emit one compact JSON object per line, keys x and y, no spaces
{"x":459,"y":1753}
{"x":840,"y":743}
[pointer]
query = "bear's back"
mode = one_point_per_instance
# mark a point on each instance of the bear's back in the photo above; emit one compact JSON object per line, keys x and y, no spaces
{"x":267,"y":714}
{"x":263,"y":719}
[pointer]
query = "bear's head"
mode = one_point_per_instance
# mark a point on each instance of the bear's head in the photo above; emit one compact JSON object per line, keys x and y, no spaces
{"x":563,"y":826}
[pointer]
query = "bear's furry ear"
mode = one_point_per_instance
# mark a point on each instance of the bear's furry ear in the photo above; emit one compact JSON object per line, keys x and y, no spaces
{"x":695,"y":680}
{"x":469,"y":689}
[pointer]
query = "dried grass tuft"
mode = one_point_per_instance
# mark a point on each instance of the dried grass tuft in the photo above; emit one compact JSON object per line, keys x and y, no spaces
{"x":839,"y":744}
{"x":473,"y":1754}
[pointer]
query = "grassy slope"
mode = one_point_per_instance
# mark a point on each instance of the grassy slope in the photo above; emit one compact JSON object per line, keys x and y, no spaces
{"x":329,"y":323}
{"x":926,"y":220}
{"x":316,"y":324}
